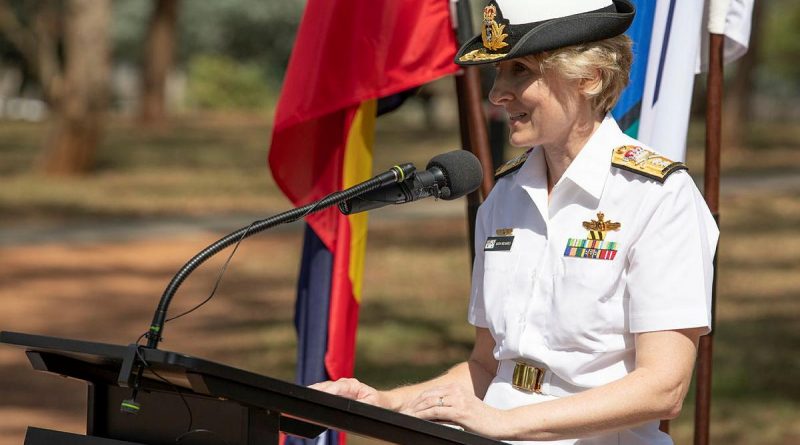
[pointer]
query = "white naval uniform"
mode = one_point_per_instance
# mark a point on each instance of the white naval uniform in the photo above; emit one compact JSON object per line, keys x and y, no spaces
{"x":575,"y":316}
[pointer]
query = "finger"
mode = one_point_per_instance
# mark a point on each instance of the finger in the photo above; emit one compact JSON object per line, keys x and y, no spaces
{"x":430,"y":397}
{"x":321,"y":386}
{"x":450,"y":392}
{"x":340,"y":387}
{"x":437,"y":413}
{"x":429,"y":405}
{"x":421,"y":403}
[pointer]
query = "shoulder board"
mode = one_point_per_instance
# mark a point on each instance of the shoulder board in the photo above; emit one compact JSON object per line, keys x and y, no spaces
{"x":645,"y":162}
{"x":511,"y":166}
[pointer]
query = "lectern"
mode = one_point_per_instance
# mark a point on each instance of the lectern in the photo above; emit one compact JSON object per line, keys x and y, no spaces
{"x":190,"y":400}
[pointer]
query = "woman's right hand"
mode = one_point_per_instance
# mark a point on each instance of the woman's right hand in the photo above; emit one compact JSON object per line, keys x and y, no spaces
{"x":353,"y":389}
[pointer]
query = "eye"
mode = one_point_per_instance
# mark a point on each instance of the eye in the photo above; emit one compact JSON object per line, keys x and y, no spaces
{"x":519,"y":67}
{"x":512,"y":67}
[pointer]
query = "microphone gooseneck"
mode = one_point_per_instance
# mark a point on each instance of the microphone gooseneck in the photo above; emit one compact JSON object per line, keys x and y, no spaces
{"x":448,"y":176}
{"x":396,"y":174}
{"x":134,"y":373}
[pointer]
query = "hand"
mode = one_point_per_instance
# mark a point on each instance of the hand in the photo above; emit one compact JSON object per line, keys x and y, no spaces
{"x":453,"y":403}
{"x":353,"y":389}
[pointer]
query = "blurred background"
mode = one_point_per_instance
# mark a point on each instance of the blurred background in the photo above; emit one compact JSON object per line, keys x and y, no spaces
{"x":134,"y":133}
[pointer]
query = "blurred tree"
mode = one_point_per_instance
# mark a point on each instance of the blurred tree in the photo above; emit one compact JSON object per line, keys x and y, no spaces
{"x":781,"y":45}
{"x":263,"y":35}
{"x":246,"y":30}
{"x":157,"y":60}
{"x":222,"y":83}
{"x":251,"y":33}
{"x":65,"y":46}
{"x":778,"y":73}
{"x":737,"y":111}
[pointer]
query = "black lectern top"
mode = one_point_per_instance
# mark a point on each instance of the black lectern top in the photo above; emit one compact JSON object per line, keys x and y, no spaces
{"x":105,"y":364}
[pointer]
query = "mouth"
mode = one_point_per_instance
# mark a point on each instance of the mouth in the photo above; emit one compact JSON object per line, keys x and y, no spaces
{"x":513,"y":117}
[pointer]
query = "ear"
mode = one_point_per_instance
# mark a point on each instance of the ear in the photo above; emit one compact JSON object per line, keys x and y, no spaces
{"x":591,"y":86}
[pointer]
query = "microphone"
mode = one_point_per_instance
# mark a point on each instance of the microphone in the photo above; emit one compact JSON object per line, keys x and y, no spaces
{"x":132,"y":374}
{"x":447,"y":176}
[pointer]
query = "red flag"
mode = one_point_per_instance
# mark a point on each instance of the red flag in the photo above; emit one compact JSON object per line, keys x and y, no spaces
{"x":348,"y":53}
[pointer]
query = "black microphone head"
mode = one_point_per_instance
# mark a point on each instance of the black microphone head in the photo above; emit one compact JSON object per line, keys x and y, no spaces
{"x":462,"y":171}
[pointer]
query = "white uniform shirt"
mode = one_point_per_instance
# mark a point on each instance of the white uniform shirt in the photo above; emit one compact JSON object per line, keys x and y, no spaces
{"x":577,"y":316}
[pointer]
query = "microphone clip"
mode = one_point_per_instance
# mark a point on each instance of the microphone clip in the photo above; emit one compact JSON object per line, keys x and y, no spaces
{"x":442,"y":192}
{"x":130,"y":374}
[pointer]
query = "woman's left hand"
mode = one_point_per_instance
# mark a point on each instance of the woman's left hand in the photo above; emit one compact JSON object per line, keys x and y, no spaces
{"x":453,"y":403}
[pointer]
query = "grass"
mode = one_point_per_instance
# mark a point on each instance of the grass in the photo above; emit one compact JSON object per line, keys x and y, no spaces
{"x":410,"y":329}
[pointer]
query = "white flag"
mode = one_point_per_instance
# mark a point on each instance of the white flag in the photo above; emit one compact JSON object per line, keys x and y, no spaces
{"x":669,"y":47}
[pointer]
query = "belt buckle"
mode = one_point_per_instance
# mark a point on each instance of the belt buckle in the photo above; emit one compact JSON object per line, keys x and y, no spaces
{"x":527,"y":378}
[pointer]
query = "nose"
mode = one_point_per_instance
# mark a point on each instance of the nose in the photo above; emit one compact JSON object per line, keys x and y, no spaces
{"x":500,"y":93}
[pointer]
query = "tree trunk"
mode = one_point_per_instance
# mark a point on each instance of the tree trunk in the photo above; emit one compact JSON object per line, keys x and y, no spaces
{"x":78,"y":112}
{"x":157,"y":61}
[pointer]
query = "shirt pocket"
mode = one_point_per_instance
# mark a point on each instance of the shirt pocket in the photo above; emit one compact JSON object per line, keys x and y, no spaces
{"x":499,"y":270}
{"x":588,"y":310}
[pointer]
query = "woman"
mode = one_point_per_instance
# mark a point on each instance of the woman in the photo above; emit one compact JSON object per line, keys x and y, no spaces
{"x":592,"y":281}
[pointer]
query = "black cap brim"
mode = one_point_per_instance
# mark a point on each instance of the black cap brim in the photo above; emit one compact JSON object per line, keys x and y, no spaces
{"x":552,"y":34}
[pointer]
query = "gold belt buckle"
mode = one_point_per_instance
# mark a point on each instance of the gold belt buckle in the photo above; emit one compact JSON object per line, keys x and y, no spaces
{"x":527,"y":378}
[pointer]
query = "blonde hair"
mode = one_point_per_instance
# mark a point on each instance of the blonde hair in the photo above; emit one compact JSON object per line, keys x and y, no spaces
{"x":611,"y":58}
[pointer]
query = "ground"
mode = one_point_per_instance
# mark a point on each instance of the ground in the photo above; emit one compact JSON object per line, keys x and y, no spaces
{"x":88,"y":258}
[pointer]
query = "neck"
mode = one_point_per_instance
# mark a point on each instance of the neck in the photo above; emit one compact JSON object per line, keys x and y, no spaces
{"x":560,"y":155}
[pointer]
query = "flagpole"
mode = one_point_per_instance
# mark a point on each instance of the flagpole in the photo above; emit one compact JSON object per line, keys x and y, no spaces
{"x":472,"y":122}
{"x":711,"y":193}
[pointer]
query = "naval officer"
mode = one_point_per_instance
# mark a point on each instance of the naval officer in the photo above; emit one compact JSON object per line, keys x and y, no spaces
{"x":592,"y":278}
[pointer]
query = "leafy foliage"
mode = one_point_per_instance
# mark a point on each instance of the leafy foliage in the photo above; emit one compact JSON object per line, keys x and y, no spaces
{"x":254,"y":32}
{"x":780,"y":45}
{"x":219,"y":82}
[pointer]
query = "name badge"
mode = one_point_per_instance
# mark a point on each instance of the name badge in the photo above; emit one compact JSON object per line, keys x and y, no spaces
{"x":497,"y":243}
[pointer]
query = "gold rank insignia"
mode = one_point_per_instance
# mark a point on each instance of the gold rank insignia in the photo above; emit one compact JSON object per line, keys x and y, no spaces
{"x":645,"y":162}
{"x":511,"y":166}
{"x":504,"y":232}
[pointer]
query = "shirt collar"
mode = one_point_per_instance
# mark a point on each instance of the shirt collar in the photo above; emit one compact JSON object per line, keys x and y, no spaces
{"x":591,"y":167}
{"x":532,"y":177}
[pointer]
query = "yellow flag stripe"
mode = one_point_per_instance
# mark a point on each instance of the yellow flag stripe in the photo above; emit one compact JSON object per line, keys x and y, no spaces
{"x":358,"y":168}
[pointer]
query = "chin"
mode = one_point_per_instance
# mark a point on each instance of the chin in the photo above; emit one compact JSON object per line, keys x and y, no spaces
{"x":521,"y":142}
{"x":524,"y":137}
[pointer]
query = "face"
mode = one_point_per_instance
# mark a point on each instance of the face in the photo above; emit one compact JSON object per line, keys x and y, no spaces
{"x":542,"y":109}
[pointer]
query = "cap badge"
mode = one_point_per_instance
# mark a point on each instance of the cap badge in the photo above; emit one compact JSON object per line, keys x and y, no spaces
{"x":492,"y":33}
{"x":594,"y":246}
